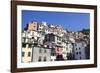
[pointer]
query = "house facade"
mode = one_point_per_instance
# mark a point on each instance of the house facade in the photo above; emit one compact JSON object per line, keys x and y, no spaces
{"x":41,"y":54}
{"x":79,"y":50}
{"x":26,"y":53}
{"x":32,"y":26}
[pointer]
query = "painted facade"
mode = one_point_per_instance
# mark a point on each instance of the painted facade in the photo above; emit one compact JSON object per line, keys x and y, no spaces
{"x":79,"y":50}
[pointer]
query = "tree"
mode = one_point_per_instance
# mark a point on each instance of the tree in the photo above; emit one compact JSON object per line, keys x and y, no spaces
{"x":85,"y":31}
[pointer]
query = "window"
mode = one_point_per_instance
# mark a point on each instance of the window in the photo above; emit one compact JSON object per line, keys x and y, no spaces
{"x":51,"y":37}
{"x":23,"y":45}
{"x":23,"y":54}
{"x":32,"y":37}
{"x":40,"y":28}
{"x":39,"y":58}
{"x":70,"y":46}
{"x":67,"y":54}
{"x":30,"y":45}
{"x":29,"y":54}
{"x":79,"y":48}
{"x":44,"y":58}
{"x":80,"y":58}
{"x":75,"y":44}
{"x":80,"y":53}
{"x":59,"y":38}
{"x":29,"y":40}
{"x":53,"y":54}
{"x":48,"y":46}
{"x":45,"y":51}
{"x":23,"y":39}
{"x":66,"y":48}
{"x":40,"y":50}
{"x":47,"y":37}
{"x":77,"y":53}
{"x":76,"y":48}
{"x":51,"y":60}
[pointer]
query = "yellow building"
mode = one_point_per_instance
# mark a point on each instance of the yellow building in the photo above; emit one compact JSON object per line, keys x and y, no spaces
{"x":26,"y":53}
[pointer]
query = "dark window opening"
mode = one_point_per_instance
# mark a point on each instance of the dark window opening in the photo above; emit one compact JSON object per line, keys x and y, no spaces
{"x":30,"y":45}
{"x":48,"y":46}
{"x":80,"y":53}
{"x":53,"y":52}
{"x":44,"y":58}
{"x":39,"y":58}
{"x":77,"y":53}
{"x":80,"y":58}
{"x":32,"y":37}
{"x":79,"y":48}
{"x":29,"y":54}
{"x":23,"y":45}
{"x":23,"y":54}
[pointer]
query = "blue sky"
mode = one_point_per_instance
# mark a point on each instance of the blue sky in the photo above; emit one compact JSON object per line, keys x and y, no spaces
{"x":68,"y":20}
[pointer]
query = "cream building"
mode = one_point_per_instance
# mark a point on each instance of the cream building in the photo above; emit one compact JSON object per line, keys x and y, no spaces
{"x":26,"y":53}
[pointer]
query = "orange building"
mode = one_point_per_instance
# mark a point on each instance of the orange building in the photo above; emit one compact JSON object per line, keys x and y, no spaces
{"x":33,"y":26}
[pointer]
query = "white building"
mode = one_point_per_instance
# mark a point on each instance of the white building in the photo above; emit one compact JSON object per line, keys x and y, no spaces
{"x":64,"y":50}
{"x":41,"y":54}
{"x":26,"y":50}
{"x":67,"y":50}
